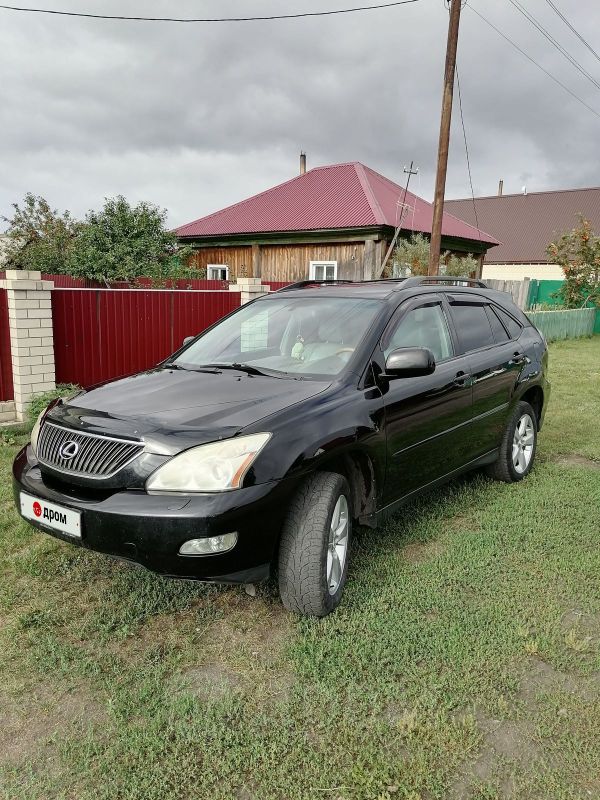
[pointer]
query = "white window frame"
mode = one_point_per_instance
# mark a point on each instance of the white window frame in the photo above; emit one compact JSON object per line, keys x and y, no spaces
{"x":314,"y":264}
{"x":217,"y":266}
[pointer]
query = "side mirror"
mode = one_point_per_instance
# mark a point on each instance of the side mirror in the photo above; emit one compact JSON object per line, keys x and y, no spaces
{"x":409,"y":362}
{"x":187,"y":340}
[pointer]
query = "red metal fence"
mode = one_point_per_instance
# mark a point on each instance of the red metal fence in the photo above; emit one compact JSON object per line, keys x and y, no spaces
{"x":6,"y":380}
{"x":101,"y":334}
{"x":69,"y":282}
{"x":275,"y":285}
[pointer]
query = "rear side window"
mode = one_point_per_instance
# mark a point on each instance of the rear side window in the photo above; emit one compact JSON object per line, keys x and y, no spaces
{"x":511,"y":325}
{"x":472,"y":325}
{"x":500,"y":335}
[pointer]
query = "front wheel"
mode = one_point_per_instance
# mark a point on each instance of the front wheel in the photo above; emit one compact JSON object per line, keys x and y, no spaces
{"x":519,"y":444}
{"x":315,"y":540}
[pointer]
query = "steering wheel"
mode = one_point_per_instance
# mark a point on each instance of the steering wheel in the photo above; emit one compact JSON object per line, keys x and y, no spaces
{"x":344,"y":350}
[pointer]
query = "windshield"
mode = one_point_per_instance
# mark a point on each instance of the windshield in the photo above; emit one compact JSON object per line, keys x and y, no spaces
{"x":292,"y":336}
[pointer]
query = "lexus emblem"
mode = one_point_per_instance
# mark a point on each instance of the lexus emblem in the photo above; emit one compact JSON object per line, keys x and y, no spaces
{"x":68,"y":450}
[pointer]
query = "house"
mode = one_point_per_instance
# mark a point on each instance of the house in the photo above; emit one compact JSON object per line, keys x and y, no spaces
{"x":525,"y":224}
{"x":329,"y":222}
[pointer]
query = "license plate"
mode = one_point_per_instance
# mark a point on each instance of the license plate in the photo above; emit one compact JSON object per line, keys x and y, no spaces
{"x":51,"y":515}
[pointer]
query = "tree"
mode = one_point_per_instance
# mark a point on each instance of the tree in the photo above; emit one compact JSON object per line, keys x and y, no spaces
{"x":39,"y":237}
{"x":578,"y":254}
{"x":123,"y":242}
{"x":459,"y":265}
{"x":411,"y":257}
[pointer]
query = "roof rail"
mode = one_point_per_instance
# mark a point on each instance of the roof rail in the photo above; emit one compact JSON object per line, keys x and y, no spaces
{"x":456,"y":279}
{"x":303,"y":284}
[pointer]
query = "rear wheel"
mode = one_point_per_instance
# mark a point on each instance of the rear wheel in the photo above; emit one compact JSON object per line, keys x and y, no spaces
{"x":519,"y":443}
{"x":315,"y":540}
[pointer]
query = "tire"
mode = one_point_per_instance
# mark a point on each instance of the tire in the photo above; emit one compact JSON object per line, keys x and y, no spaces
{"x":309,"y":581}
{"x":515,"y":462}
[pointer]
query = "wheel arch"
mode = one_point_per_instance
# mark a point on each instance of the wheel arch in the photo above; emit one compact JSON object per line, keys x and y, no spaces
{"x":535,"y":397}
{"x":358,"y":469}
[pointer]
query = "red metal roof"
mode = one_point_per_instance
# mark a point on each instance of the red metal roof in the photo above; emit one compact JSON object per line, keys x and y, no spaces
{"x":527,"y":223}
{"x":337,"y":196}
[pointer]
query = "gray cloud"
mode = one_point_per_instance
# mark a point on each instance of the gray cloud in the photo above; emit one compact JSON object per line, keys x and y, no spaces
{"x":196,"y":117}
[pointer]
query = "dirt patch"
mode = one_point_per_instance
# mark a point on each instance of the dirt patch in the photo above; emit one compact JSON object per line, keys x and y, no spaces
{"x":27,"y":727}
{"x":418,"y":552}
{"x":542,"y":678}
{"x":462,"y":522}
{"x":573,"y":460}
{"x":581,"y":630}
{"x":244,"y":650}
{"x":211,"y":682}
{"x":506,"y":744}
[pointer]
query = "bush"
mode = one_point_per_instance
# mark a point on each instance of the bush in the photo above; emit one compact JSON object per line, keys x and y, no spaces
{"x":40,"y":401}
{"x":578,"y":254}
{"x":411,"y":257}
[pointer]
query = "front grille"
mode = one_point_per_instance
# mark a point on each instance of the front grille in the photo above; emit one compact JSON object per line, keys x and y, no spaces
{"x":94,"y":456}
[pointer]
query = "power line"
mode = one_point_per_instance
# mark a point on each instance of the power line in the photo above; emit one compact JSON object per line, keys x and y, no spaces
{"x":533,"y":61}
{"x":462,"y":120}
{"x":573,"y":29}
{"x":209,"y":19}
{"x":554,"y":42}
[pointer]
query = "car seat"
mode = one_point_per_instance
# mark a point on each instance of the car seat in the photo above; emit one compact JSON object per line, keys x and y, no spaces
{"x":329,"y":341}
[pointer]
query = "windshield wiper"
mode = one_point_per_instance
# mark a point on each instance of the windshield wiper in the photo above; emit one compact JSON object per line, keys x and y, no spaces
{"x":211,"y":370}
{"x":250,"y":369}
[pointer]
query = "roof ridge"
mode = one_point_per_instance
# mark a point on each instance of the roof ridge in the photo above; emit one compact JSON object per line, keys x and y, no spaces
{"x":521,"y":194}
{"x":400,"y":188}
{"x":245,"y":200}
{"x":361,"y":172}
{"x":354,"y":194}
{"x":206,"y":217}
{"x":481,"y":233}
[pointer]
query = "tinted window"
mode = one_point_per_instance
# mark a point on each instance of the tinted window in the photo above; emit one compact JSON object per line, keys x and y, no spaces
{"x":513,"y":327}
{"x":500,"y":335}
{"x":472,"y":326}
{"x":422,"y":327}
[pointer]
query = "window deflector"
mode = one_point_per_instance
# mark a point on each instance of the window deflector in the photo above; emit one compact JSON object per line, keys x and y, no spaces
{"x":412,"y":305}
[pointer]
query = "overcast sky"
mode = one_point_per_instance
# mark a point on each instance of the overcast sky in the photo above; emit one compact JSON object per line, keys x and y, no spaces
{"x":195,"y":117}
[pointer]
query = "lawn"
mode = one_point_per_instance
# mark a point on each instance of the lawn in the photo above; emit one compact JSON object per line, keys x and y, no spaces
{"x":464,"y":661}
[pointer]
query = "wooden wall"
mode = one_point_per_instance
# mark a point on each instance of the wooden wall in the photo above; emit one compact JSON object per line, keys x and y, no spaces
{"x":238,"y":259}
{"x":291,"y":261}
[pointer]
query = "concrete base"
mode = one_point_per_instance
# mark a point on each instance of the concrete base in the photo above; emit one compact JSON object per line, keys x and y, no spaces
{"x":8,"y":414}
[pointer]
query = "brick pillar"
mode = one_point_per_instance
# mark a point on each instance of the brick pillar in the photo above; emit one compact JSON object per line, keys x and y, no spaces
{"x":31,"y":339}
{"x":250,"y":289}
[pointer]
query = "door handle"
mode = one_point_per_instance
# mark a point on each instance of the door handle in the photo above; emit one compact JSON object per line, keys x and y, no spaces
{"x":519,"y":358}
{"x":461,"y":378}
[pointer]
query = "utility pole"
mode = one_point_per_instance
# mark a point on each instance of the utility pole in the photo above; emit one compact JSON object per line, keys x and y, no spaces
{"x":444,"y":141}
{"x":402,"y":209}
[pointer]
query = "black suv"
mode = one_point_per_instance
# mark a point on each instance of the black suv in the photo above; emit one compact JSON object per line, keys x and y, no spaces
{"x":257,"y":445}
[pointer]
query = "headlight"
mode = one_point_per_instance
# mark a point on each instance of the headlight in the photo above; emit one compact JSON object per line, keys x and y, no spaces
{"x":216,"y":467}
{"x":35,"y":431}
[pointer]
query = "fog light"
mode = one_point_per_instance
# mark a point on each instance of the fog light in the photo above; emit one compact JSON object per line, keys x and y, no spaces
{"x":210,"y":546}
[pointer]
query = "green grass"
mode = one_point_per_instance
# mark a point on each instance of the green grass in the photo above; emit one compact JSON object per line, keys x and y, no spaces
{"x":464,"y":661}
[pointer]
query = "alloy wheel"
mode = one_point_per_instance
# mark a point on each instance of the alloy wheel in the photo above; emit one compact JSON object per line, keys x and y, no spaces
{"x":337,"y":546}
{"x":523,"y":443}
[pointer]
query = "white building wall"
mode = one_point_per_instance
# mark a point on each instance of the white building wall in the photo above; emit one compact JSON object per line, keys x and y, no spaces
{"x":518,"y":272}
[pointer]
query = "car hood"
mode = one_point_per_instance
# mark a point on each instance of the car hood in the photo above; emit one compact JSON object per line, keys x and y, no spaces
{"x":171,"y":409}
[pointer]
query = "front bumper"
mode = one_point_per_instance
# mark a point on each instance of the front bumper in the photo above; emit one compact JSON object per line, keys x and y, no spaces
{"x":150,"y":529}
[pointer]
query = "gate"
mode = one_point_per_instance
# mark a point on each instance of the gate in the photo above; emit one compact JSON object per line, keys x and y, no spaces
{"x":6,"y":379}
{"x":100,"y":334}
